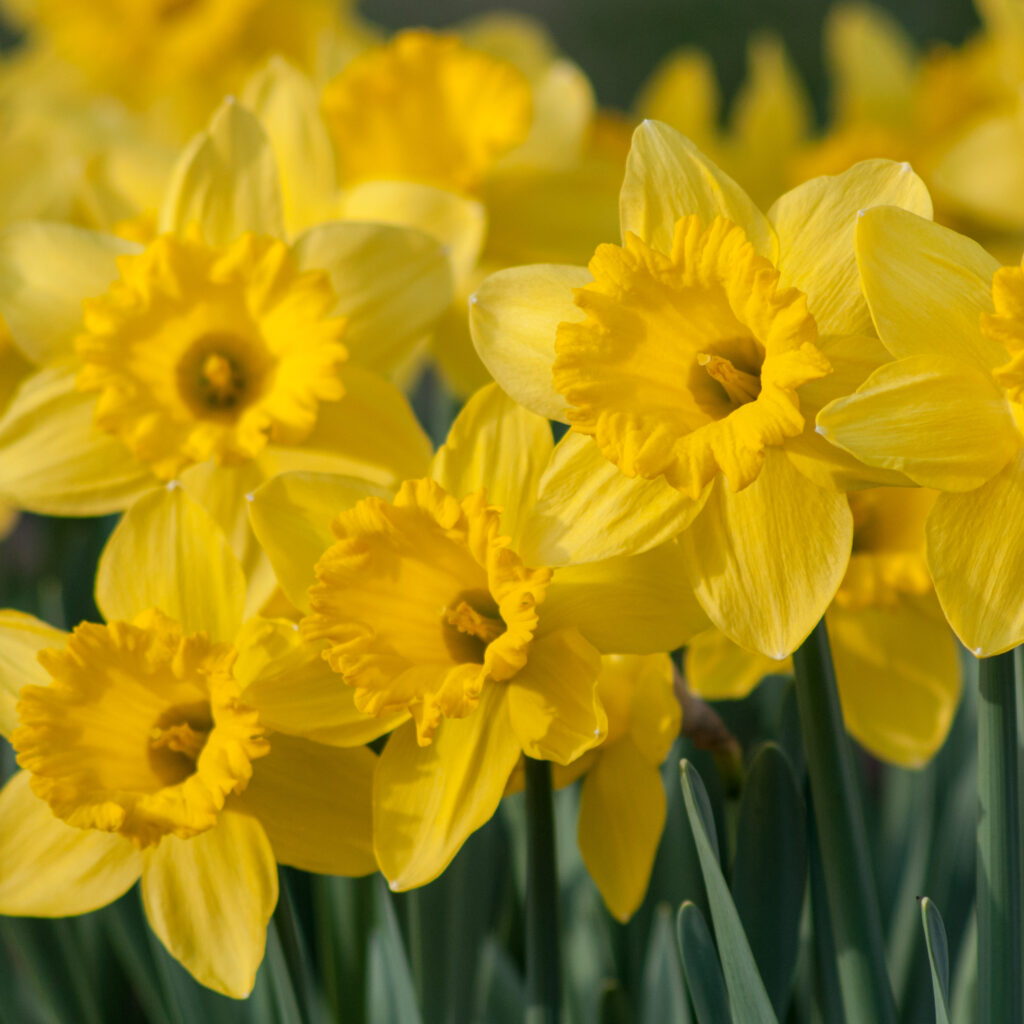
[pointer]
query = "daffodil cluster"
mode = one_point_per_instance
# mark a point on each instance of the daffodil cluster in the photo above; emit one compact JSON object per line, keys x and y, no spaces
{"x":236,"y":236}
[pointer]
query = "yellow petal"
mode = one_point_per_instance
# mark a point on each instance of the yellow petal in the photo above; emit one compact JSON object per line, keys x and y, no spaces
{"x":223,"y":491}
{"x":45,"y":272}
{"x":874,"y":64}
{"x":655,"y":715}
{"x":667,"y":177}
{"x":497,"y":445}
{"x":946,"y":277}
{"x":21,"y":638}
{"x":168,"y":553}
{"x":563,"y":112}
{"x":765,"y":562}
{"x":287,"y":104}
{"x":55,"y":461}
{"x":771,"y":115}
{"x":457,"y":222}
{"x":513,"y":317}
{"x":553,"y":704}
{"x":314,"y":803}
{"x":622,"y":814}
{"x":898,"y":675}
{"x":853,"y":357}
{"x":295,"y":691}
{"x":717,"y":669}
{"x":979,"y":173}
{"x":976,"y":558}
{"x":291,"y":516}
{"x":938,"y":420}
{"x":226,"y":181}
{"x":588,"y":510}
{"x":683,"y":92}
{"x":429,"y":800}
{"x":392,"y":284}
{"x":209,"y":900}
{"x":51,"y":869}
{"x":633,"y":604}
{"x":371,"y":433}
{"x":816,"y":224}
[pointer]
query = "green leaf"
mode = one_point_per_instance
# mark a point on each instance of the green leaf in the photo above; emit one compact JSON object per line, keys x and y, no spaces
{"x":613,"y":1007}
{"x":663,"y":995}
{"x":700,"y":962}
{"x":938,"y":958}
{"x":1000,"y":938}
{"x":965,"y":977}
{"x":769,"y":875}
{"x":501,"y":996}
{"x":747,"y":995}
{"x":391,"y":995}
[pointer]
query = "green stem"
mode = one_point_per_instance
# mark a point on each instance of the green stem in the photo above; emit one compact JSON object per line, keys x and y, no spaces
{"x":852,"y":897}
{"x":999,"y":849}
{"x":293,"y":951}
{"x":543,"y":961}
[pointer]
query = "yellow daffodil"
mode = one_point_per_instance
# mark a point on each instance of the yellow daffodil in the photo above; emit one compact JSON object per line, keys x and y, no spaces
{"x":222,"y":352}
{"x":896,"y":662}
{"x":622,"y":800}
{"x":158,"y":747}
{"x":690,"y":362}
{"x":947,"y":411}
{"x":434,"y":610}
{"x":483,"y":136}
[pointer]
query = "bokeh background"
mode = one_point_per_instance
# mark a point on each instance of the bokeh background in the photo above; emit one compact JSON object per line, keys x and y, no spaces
{"x":618,"y":42}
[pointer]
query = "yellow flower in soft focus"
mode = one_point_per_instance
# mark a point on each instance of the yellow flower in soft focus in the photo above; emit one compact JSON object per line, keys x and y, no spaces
{"x":690,"y":363}
{"x":179,"y":56}
{"x":434,"y":611}
{"x":171,"y":745}
{"x":622,"y":800}
{"x":223,"y":352}
{"x":947,"y":411}
{"x":483,"y":136}
{"x":954,"y":112}
{"x":897,"y":666}
{"x":426,"y":107}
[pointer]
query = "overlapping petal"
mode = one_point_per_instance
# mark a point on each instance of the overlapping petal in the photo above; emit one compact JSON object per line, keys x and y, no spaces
{"x":429,"y":800}
{"x":168,"y":553}
{"x":938,"y":420}
{"x":513,"y":317}
{"x":766,"y":561}
{"x":588,"y":510}
{"x":209,"y":900}
{"x":51,"y":869}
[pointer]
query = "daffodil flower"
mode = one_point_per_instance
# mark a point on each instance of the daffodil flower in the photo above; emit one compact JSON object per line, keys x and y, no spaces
{"x":947,"y":412}
{"x":434,"y":612}
{"x":482,"y":136}
{"x":220,"y":353}
{"x":896,"y":663}
{"x":690,"y":362}
{"x":158,"y":746}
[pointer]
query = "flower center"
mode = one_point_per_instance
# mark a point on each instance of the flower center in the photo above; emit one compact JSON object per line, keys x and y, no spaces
{"x":423,"y":603}
{"x":141,"y":732}
{"x":687,"y":363}
{"x":888,"y":556}
{"x":215,"y":379}
{"x":426,"y":108}
{"x":199,"y":353}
